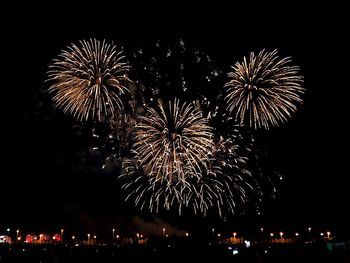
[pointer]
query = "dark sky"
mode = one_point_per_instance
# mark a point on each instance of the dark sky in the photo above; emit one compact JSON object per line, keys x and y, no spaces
{"x":40,"y":180}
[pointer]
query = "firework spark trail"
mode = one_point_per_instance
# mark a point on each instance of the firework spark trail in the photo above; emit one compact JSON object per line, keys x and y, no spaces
{"x":264,"y":91}
{"x":223,"y":188}
{"x":150,"y":193}
{"x":218,"y":191}
{"x":175,"y":142}
{"x":237,"y":184}
{"x":88,"y":80}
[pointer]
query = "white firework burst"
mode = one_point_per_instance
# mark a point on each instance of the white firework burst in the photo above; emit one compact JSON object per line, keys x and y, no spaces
{"x":88,"y":79}
{"x":263,"y":92}
{"x":174,"y":142}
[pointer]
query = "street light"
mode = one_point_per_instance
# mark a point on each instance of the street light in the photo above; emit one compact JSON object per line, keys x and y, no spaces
{"x":113,"y":230}
{"x":281,"y":234}
{"x":62,"y":235}
{"x":187,"y":234}
{"x":88,"y":236}
{"x":234,"y":235}
{"x":163,"y":232}
{"x":296,"y":234}
{"x":328,"y":234}
{"x":17,"y":231}
{"x":309,"y":229}
{"x":271,"y":234}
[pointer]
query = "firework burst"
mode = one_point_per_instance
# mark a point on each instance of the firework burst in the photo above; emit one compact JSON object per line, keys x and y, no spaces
{"x":89,"y":79}
{"x":263,"y":92}
{"x":174,"y":142}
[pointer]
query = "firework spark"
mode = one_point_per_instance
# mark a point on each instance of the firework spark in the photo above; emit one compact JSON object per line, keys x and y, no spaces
{"x":176,"y":68}
{"x":263,"y":92}
{"x":88,"y":80}
{"x":173,"y":143}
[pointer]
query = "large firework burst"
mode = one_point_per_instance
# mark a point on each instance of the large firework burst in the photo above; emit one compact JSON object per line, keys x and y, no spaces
{"x":88,"y":80}
{"x":174,"y":142}
{"x":263,"y":91}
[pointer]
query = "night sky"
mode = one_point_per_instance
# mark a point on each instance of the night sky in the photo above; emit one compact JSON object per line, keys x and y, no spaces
{"x":50,"y":178}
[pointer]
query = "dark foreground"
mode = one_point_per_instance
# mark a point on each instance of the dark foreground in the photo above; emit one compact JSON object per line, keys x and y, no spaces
{"x":184,"y":252}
